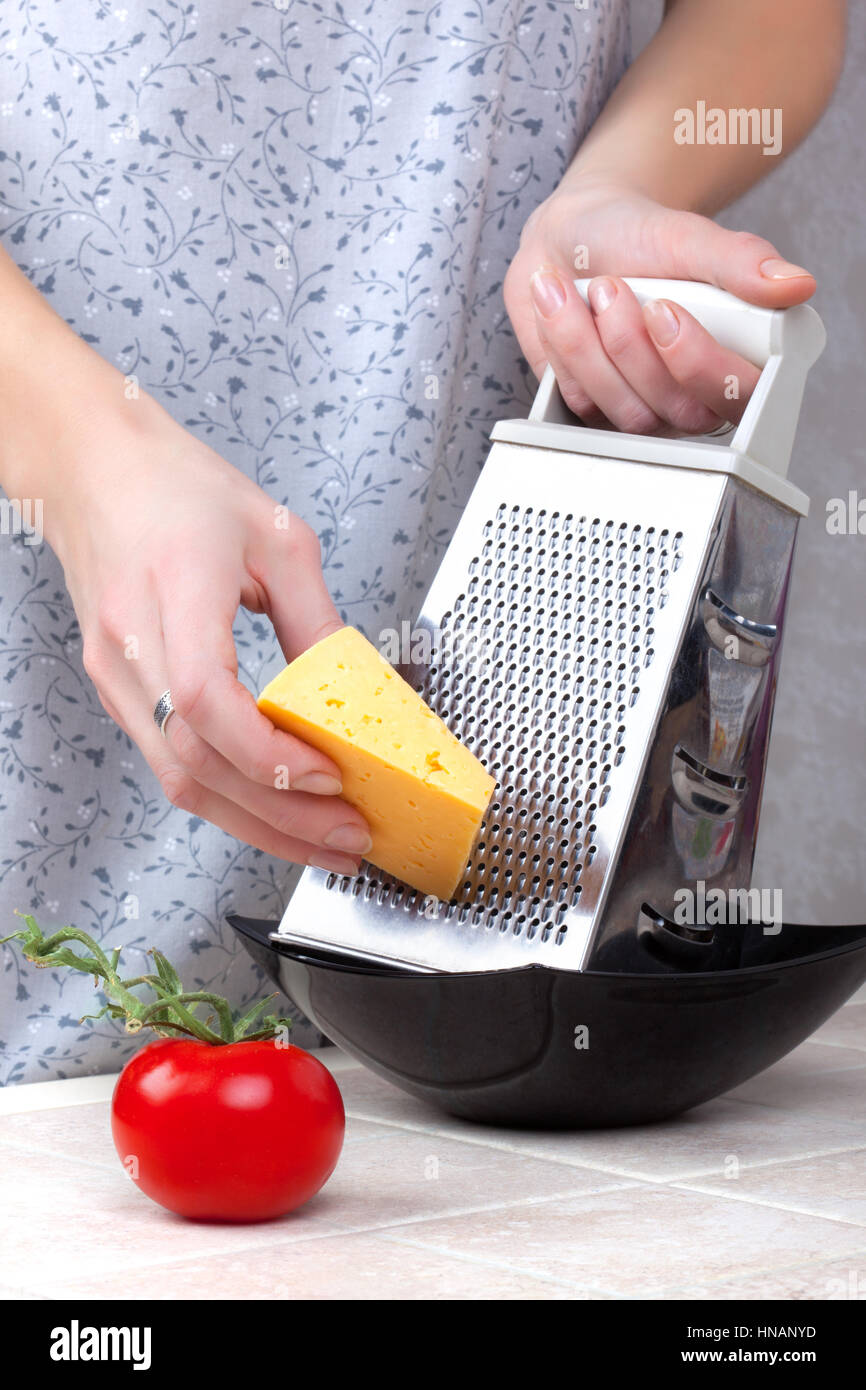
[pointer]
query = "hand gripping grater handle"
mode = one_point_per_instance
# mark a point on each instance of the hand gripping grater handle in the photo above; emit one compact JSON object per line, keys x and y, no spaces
{"x":783,"y":342}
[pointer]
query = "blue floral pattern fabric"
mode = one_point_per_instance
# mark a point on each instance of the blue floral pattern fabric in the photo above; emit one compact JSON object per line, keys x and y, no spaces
{"x":288,"y":220}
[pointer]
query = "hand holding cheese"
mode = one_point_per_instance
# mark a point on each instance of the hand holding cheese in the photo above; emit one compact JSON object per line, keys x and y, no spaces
{"x":161,"y":538}
{"x":422,"y":793}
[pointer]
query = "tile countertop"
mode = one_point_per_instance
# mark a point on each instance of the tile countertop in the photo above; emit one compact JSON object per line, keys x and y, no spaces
{"x":760,"y":1194}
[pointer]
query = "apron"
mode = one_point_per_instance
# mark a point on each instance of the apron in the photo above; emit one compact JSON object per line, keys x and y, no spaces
{"x":290,"y":223}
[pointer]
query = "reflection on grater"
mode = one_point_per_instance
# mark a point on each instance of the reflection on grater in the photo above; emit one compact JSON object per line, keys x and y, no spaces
{"x":616,"y":602}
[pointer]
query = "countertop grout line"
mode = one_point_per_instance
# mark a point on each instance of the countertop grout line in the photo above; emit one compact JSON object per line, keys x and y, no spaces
{"x":38,"y":1151}
{"x":630,"y":1181}
{"x":586,"y":1291}
{"x":770,"y":1271}
{"x":28,"y":1145}
{"x":621,"y":1295}
{"x":23,"y":1144}
{"x":812,"y":1115}
{"x":195,"y":1253}
{"x":456,"y":1257}
{"x":338,"y":1229}
{"x":752,"y":1199}
{"x":590,"y":1164}
{"x":543,"y":1199}
{"x":464,"y":1257}
{"x":859,"y":1065}
{"x":391,"y":1234}
{"x":783,"y":1161}
{"x":515,"y":1204}
{"x":191,"y":1255}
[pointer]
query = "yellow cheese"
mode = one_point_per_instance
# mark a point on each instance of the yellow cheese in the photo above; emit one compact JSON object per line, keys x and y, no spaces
{"x":422,"y":793}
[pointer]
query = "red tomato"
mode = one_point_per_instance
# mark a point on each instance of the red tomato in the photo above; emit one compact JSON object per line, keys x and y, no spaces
{"x":242,"y":1132}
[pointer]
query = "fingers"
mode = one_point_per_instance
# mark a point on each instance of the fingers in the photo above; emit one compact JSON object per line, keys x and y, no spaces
{"x":320,"y":820}
{"x":641,"y":371}
{"x":238,"y":769}
{"x":299,"y":605}
{"x":188,"y":795}
{"x":590,"y":383}
{"x":157,"y":613}
{"x":521,"y":312}
{"x":619,"y":375}
{"x":719,"y":379}
{"x":296,"y":826}
{"x":626,"y":341}
{"x":746,"y":265}
{"x":201,"y":666}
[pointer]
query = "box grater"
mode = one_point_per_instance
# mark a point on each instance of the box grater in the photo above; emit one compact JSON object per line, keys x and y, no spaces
{"x":605,"y":630}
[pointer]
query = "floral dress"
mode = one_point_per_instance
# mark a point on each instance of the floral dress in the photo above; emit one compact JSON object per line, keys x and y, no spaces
{"x":289,"y":221}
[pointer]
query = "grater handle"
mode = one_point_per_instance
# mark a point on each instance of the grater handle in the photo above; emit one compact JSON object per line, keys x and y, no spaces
{"x":783,"y":342}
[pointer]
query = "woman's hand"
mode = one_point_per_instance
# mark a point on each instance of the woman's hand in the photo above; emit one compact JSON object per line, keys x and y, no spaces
{"x":617,"y":365}
{"x":161,"y":540}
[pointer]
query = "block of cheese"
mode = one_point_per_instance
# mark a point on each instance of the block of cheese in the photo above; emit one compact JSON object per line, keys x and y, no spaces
{"x":422,"y":793}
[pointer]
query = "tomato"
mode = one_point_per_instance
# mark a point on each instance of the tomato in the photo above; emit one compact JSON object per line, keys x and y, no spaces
{"x":241,"y":1132}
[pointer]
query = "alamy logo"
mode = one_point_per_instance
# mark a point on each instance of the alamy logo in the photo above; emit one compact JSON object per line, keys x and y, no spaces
{"x":737,"y":126}
{"x":77,"y":1343}
{"x":22,"y":516}
{"x":717,"y":907}
{"x":422,"y":646}
{"x":846,"y":516}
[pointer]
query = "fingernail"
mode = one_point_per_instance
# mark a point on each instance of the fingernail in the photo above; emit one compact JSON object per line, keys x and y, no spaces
{"x":662,"y":322}
{"x":602,"y":293}
{"x":319,"y":783}
{"x":775,"y":269}
{"x":350,"y":838}
{"x":547,"y":293}
{"x":335,"y":864}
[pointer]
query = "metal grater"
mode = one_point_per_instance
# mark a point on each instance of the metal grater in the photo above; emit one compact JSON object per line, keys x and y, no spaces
{"x":622,"y":599}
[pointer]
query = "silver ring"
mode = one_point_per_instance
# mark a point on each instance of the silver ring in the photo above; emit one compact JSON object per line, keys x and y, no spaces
{"x":162,"y":711}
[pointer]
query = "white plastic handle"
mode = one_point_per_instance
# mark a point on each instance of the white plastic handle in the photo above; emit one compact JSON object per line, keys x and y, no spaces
{"x":784,"y":342}
{"x":756,"y":334}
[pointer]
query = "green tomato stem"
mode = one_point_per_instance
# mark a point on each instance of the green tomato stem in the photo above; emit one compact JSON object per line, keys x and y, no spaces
{"x":174,"y":1009}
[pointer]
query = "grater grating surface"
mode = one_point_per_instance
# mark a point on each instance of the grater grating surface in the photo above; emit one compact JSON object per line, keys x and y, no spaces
{"x":536,"y":570}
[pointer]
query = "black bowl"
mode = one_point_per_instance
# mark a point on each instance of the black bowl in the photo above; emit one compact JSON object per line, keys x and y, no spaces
{"x":542,"y":1048}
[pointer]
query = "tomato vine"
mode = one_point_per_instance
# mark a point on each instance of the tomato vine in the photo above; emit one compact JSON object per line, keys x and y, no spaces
{"x":174,"y":1011}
